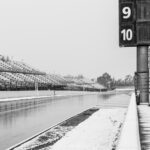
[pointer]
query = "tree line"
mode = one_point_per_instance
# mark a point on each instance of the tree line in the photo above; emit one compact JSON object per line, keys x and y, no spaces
{"x":111,"y":83}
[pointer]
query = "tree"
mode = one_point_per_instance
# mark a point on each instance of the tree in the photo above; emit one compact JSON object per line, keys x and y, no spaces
{"x":128,"y":80}
{"x":112,"y":83}
{"x":105,"y":80}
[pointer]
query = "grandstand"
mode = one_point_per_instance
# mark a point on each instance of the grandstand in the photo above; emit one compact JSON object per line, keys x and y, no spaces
{"x":75,"y":83}
{"x":17,"y":75}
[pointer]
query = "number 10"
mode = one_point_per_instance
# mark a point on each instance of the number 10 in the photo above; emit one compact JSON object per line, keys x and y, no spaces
{"x":127,"y":34}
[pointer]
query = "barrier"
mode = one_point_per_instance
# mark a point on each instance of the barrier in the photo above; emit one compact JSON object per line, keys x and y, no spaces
{"x":129,"y":139}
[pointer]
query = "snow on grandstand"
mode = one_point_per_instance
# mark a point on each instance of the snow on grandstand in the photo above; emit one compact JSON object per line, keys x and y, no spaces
{"x":17,"y":75}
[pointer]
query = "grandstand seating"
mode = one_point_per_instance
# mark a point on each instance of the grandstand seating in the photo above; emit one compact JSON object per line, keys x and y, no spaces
{"x":16,"y":75}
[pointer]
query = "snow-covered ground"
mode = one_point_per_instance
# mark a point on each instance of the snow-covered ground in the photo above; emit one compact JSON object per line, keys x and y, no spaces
{"x":47,"y":138}
{"x":99,"y":132}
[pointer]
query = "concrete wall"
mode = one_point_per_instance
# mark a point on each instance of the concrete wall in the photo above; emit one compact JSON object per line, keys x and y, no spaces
{"x":129,"y":139}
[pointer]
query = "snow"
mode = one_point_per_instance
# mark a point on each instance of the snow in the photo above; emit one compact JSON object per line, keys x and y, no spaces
{"x":99,"y":132}
{"x":55,"y":134}
{"x":130,"y":129}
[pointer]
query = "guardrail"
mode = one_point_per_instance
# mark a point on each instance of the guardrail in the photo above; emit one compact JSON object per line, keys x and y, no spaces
{"x":130,"y":139}
{"x":10,"y":104}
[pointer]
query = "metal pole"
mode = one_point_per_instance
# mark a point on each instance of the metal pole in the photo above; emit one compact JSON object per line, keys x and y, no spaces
{"x":143,"y":73}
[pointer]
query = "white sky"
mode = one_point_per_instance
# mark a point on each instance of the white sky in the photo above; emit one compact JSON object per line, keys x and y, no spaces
{"x":65,"y":36}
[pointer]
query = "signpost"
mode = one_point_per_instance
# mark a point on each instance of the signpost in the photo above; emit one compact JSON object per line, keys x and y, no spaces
{"x":127,"y":28}
{"x":134,"y":31}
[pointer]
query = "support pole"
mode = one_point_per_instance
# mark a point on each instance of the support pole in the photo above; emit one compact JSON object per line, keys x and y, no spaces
{"x":143,"y":73}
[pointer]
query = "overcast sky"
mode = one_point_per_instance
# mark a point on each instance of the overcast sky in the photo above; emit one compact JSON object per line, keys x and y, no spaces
{"x":65,"y":36}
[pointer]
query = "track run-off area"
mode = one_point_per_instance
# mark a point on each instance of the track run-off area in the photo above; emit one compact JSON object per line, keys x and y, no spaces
{"x":19,"y":124}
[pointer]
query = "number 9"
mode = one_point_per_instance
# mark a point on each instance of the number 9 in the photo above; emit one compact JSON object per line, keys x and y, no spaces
{"x":127,"y":12}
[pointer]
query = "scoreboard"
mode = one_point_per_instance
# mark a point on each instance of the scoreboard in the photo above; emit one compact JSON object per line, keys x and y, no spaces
{"x":134,"y":22}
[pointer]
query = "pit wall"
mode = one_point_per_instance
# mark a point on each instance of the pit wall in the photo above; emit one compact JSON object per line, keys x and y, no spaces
{"x":130,"y":139}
